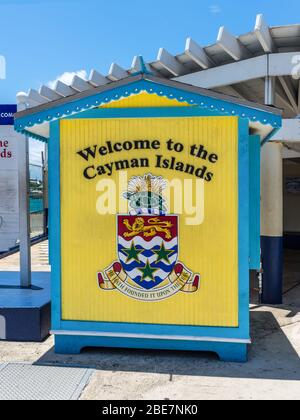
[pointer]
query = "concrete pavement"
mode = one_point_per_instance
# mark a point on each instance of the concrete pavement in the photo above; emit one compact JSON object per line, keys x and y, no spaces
{"x":272,"y":373}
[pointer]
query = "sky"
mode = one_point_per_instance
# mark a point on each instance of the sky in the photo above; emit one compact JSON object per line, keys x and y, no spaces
{"x":43,"y":39}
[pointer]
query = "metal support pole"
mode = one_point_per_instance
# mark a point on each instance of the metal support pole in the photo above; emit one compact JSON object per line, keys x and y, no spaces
{"x":24,"y":209}
{"x":270,"y":89}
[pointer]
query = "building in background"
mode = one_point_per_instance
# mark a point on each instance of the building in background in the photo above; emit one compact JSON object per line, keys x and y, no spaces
{"x":9,"y":206}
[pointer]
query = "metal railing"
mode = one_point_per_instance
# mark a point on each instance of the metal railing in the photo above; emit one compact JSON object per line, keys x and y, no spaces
{"x":38,"y":220}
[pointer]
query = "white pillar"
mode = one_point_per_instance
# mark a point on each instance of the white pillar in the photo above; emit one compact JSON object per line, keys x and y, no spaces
{"x":272,"y":222}
{"x":272,"y":190}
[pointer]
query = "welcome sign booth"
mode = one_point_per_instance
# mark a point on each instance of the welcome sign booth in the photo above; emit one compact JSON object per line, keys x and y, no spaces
{"x":147,"y":275}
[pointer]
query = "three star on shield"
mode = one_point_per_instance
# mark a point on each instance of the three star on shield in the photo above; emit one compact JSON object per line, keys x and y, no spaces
{"x":148,"y":248}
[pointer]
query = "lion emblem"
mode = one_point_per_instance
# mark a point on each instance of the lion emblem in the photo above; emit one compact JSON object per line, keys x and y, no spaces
{"x":155,"y":226}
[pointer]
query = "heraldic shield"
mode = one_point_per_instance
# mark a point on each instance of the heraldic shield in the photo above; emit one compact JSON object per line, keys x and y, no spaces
{"x":148,"y":247}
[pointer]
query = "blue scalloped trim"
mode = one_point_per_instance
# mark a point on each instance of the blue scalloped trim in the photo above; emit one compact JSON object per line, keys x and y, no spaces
{"x":134,"y":88}
{"x":35,"y":136}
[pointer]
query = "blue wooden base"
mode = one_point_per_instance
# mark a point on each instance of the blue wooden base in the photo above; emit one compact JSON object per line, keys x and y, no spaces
{"x":24,"y":313}
{"x":227,"y":352}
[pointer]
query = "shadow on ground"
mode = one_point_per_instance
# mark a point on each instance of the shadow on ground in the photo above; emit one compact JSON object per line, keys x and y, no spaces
{"x":271,"y":357}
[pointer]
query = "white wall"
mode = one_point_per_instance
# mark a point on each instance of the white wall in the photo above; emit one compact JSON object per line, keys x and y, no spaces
{"x":9,"y":207}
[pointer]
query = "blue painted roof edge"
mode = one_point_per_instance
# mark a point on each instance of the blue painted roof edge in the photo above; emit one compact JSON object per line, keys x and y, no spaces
{"x":214,"y":102}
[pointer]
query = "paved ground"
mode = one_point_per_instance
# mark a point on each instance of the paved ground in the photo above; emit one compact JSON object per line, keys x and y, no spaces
{"x":273,"y":371}
{"x":39,"y":259}
{"x":25,"y":381}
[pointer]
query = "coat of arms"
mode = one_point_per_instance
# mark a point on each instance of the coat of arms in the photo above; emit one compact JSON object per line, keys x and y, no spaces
{"x":147,"y":247}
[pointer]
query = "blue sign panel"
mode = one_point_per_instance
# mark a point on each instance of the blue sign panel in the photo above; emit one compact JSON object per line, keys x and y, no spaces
{"x":7,"y":114}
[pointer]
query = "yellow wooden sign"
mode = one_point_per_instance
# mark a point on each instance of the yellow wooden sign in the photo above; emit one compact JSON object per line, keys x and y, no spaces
{"x":104,"y":162}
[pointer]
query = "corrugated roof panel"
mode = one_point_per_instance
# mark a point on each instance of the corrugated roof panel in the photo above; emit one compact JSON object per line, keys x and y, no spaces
{"x":290,"y":31}
{"x":287,"y":37}
{"x":253,"y":90}
{"x":218,"y":55}
{"x":188,"y":63}
{"x":252,"y":43}
{"x":162,"y":71}
{"x":289,"y":44}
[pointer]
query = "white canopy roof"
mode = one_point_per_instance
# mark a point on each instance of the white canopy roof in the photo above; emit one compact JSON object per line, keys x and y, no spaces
{"x":234,"y":66}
